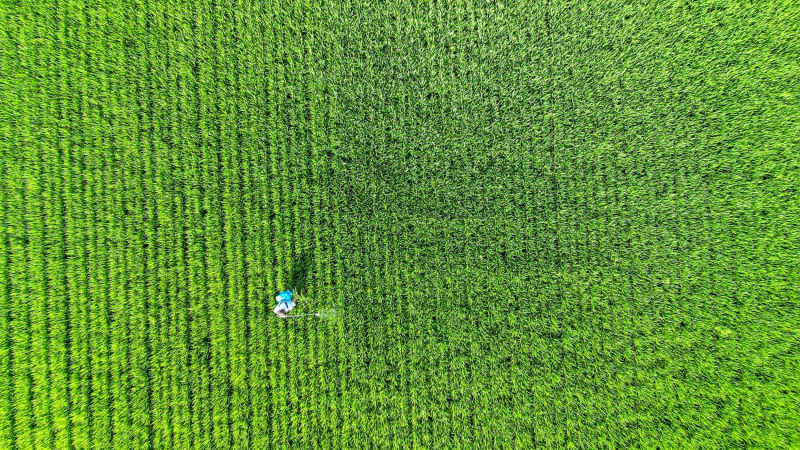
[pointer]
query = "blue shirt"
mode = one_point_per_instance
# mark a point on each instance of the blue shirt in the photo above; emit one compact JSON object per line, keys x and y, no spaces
{"x":285,"y":297}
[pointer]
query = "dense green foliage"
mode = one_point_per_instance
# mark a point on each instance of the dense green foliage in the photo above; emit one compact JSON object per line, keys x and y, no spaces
{"x":561,"y":223}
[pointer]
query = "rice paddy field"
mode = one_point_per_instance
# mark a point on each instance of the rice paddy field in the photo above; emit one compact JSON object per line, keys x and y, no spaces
{"x":537,"y":223}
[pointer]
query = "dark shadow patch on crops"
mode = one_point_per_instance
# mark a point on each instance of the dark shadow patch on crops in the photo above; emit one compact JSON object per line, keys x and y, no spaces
{"x":300,"y":269}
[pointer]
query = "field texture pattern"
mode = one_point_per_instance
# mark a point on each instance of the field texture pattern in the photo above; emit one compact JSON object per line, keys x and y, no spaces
{"x":537,"y":223}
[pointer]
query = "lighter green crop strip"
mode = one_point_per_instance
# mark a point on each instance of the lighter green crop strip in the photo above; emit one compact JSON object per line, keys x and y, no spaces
{"x":566,"y":222}
{"x":18,"y":228}
{"x":387,"y":290}
{"x":401,"y":281}
{"x":230,"y":220}
{"x":316,"y":50}
{"x":459,"y":416}
{"x":189,"y":142}
{"x":376,"y":293}
{"x":173,"y":326}
{"x":283,"y":231}
{"x":291,"y":187}
{"x":249,"y":108}
{"x":255,"y":88}
{"x":555,"y":250}
{"x":446,"y":383}
{"x":19,"y":381}
{"x":359,"y":337}
{"x":426,"y":358}
{"x":89,"y":224}
{"x":276,"y":338}
{"x":338,"y":299}
{"x":244,"y":73}
{"x":324,"y":242}
{"x":103,"y":413}
{"x":203,"y":420}
{"x":414,"y":380}
{"x":36,"y":184}
{"x":98,"y":429}
{"x":161,"y":251}
{"x":286,"y":393}
{"x":298,"y":154}
{"x":315,"y":287}
{"x":234,"y":236}
{"x":251,"y":86}
{"x":61,"y":323}
{"x":262,"y":333}
{"x":8,"y":301}
{"x":224,"y":143}
{"x":275,"y":80}
{"x":169,"y":178}
{"x":139,"y":233}
{"x":123,"y":132}
{"x":82,"y":301}
{"x":324,"y":237}
{"x":7,"y":407}
{"x":295,"y":143}
{"x":219,"y":382}
{"x":136,"y":274}
{"x":399,"y":290}
{"x":342,"y":238}
{"x":587,"y":328}
{"x":181,"y":367}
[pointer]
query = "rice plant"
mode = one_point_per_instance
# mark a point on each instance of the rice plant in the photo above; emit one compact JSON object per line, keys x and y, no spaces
{"x":513,"y":224}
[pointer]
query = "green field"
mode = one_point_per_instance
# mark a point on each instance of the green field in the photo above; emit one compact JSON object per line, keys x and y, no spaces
{"x":539,"y":223}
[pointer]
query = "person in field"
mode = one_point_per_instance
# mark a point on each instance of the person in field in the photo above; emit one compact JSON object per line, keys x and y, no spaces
{"x":285,"y":303}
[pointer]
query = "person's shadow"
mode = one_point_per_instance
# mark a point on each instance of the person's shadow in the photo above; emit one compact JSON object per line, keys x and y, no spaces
{"x":300,"y":270}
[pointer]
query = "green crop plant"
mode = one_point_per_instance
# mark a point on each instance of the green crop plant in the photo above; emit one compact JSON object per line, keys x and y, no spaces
{"x":514,"y":224}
